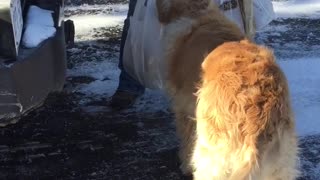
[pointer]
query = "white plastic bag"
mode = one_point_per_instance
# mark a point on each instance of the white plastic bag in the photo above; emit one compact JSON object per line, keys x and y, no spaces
{"x":142,"y":51}
{"x":233,"y":14}
{"x":263,"y":13}
{"x":257,"y":17}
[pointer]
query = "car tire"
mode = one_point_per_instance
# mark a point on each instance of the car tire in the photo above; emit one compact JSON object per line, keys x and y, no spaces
{"x":69,"y":31}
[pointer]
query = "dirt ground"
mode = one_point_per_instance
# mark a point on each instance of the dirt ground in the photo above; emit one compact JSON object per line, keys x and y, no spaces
{"x":61,"y":140}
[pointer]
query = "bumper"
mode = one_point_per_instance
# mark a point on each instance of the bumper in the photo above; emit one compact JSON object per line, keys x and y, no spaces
{"x":26,"y":81}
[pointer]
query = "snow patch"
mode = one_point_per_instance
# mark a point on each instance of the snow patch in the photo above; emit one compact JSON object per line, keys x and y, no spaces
{"x":112,"y":8}
{"x":106,"y":73}
{"x":275,"y":29}
{"x":152,"y":101}
{"x":86,"y":23}
{"x":297,"y":8}
{"x":304,"y":82}
{"x":39,"y":27}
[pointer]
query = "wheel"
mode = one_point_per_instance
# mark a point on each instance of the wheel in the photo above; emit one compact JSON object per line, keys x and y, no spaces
{"x":69,"y":32}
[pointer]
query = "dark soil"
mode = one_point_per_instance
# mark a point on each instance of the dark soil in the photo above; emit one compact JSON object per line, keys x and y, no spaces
{"x":62,"y":141}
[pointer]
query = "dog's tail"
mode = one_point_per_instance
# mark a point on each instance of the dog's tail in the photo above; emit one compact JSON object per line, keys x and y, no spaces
{"x":242,"y":102}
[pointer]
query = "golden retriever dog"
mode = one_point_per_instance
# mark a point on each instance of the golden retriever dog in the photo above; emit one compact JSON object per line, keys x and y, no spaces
{"x":230,"y":98}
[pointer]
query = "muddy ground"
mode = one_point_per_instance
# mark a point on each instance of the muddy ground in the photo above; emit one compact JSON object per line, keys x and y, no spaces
{"x":63,"y":140}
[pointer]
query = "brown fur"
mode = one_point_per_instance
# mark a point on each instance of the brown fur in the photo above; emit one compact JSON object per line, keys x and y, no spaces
{"x":243,"y":123}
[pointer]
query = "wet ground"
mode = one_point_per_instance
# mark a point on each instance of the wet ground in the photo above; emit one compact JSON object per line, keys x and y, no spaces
{"x":77,"y":136}
{"x":60,"y":141}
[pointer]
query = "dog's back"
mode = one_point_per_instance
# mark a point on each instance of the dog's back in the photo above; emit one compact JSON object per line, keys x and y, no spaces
{"x":244,"y":124}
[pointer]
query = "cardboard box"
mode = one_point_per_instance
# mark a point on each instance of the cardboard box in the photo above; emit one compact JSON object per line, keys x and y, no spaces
{"x":11,"y":27}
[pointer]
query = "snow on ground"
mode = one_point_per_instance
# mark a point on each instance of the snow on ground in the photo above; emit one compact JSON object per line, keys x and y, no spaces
{"x":99,"y":71}
{"x":103,"y":16}
{"x":297,"y":8}
{"x":304,"y":83}
{"x":301,"y":62}
{"x":88,"y":22}
{"x":112,"y":8}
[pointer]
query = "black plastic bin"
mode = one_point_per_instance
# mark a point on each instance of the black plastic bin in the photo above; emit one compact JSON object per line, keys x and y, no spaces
{"x":28,"y":78}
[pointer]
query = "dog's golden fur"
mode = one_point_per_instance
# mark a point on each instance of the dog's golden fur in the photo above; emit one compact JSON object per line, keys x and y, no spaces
{"x":230,"y":98}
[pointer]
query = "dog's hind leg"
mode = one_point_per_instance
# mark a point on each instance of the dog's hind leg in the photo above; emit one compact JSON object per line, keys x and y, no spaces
{"x":281,"y":162}
{"x":186,"y":132}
